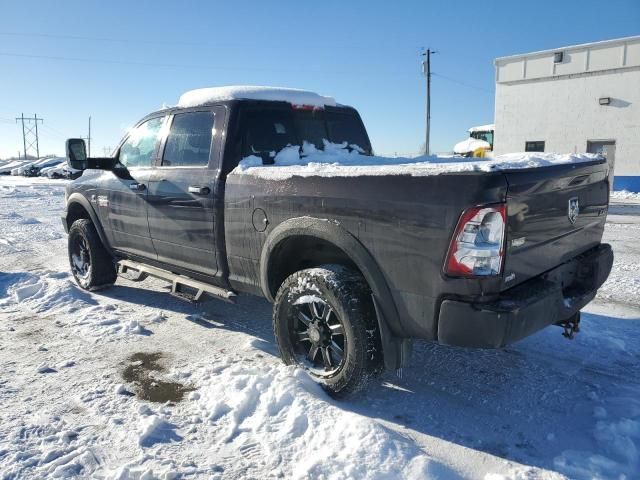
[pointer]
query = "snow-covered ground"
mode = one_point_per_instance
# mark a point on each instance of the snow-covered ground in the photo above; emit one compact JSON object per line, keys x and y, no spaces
{"x":76,"y":367}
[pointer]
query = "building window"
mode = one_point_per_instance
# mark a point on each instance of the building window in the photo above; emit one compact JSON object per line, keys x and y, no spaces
{"x":536,"y":146}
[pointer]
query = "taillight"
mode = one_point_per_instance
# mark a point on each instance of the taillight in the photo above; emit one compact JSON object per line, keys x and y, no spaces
{"x":476,"y":248}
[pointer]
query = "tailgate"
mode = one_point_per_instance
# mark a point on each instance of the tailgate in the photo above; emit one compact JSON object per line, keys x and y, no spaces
{"x":554,"y":213}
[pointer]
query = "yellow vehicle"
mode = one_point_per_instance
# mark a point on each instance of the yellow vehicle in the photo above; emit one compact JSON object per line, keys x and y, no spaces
{"x":480,"y":142}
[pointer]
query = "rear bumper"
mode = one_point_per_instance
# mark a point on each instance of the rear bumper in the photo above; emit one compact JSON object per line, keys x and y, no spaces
{"x":520,"y":311}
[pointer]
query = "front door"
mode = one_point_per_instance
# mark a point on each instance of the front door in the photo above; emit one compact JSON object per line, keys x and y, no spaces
{"x":127,"y":192}
{"x":181,"y":192}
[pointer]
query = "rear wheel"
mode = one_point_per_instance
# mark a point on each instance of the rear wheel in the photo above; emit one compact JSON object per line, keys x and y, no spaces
{"x":91,"y":264}
{"x":324,"y":321}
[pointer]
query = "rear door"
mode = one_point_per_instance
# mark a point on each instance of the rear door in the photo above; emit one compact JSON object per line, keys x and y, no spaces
{"x":554,"y":214}
{"x":123,"y":199}
{"x":182,"y":191}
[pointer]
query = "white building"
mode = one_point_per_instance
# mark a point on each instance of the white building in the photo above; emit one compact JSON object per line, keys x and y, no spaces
{"x":583,"y":98}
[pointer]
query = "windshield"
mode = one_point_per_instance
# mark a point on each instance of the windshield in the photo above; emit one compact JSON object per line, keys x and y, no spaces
{"x":267,"y":131}
{"x":486,"y":136}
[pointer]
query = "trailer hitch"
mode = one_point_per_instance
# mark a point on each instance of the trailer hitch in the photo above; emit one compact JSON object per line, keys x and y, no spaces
{"x":571,"y":326}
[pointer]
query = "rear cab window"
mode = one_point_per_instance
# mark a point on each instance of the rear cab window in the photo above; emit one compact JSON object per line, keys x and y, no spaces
{"x":267,"y":130}
{"x":345,"y":127}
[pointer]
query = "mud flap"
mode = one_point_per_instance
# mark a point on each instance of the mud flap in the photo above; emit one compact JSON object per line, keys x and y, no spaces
{"x":395,"y":351}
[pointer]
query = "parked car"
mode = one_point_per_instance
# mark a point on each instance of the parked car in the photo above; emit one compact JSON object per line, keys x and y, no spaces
{"x":32,"y":168}
{"x":356,"y":266}
{"x":8,"y":167}
{"x":60,"y":170}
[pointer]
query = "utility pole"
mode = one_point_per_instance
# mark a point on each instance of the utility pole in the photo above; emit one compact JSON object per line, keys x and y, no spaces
{"x":30,"y":133}
{"x":88,"y":139}
{"x":426,"y":69}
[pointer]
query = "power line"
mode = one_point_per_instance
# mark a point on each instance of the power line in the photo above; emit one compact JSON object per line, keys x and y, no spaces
{"x":166,"y":65}
{"x":464,"y":84}
{"x":212,"y":67}
{"x":55,"y":131}
{"x":141,"y":41}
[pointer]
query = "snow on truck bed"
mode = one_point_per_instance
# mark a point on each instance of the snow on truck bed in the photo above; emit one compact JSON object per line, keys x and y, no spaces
{"x":340,"y":161}
{"x":204,"y":96}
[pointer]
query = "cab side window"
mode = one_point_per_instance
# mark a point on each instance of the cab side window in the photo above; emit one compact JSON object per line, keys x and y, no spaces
{"x":140,"y":147}
{"x":189,"y":140}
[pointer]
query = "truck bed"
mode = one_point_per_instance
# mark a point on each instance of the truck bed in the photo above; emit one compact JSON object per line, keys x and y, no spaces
{"x":406,"y":221}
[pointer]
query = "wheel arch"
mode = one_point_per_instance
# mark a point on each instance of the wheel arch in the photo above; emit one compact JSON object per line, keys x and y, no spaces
{"x":294,"y":233}
{"x":79,"y":207}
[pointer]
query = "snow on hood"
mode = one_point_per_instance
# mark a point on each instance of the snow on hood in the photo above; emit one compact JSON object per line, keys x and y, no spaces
{"x":470,"y":145}
{"x":341,"y":160}
{"x":203,"y":96}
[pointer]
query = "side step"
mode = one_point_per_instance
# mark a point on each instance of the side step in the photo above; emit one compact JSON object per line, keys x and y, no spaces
{"x":180,"y":284}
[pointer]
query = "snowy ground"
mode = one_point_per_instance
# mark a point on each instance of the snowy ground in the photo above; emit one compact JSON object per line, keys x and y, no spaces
{"x":75,"y":369}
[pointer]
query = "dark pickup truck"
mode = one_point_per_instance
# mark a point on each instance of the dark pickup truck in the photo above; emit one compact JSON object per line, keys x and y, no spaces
{"x":356,"y":266}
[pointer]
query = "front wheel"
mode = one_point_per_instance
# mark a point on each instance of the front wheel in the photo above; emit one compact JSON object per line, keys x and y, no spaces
{"x":324,"y":321}
{"x":91,"y":264}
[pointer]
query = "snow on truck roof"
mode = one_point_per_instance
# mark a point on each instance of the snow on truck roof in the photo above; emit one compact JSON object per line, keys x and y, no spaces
{"x":204,"y":96}
{"x":482,"y":128}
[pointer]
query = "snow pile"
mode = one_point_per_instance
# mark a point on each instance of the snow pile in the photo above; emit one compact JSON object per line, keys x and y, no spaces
{"x":46,"y":292}
{"x":56,"y":293}
{"x":204,"y":96}
{"x":624,"y":195}
{"x":281,"y":421}
{"x":342,"y":160}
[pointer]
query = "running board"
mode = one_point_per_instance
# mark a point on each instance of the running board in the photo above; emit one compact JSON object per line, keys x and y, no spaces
{"x":178,"y":282}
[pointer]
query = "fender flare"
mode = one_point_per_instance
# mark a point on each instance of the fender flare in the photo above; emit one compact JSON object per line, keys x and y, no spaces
{"x":394,"y":345}
{"x":84,"y":203}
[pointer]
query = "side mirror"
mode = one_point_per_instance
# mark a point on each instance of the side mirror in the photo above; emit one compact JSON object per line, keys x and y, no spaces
{"x":76,"y":153}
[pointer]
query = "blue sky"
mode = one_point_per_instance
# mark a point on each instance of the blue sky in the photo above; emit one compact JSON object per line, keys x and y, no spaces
{"x":117,"y":61}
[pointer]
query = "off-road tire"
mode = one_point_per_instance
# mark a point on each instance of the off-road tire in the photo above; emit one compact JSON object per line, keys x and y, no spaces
{"x":102,"y":271}
{"x":348,"y":294}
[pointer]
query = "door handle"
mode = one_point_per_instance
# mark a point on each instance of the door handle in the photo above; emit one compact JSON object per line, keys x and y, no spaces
{"x":198,"y":190}
{"x":138,"y":187}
